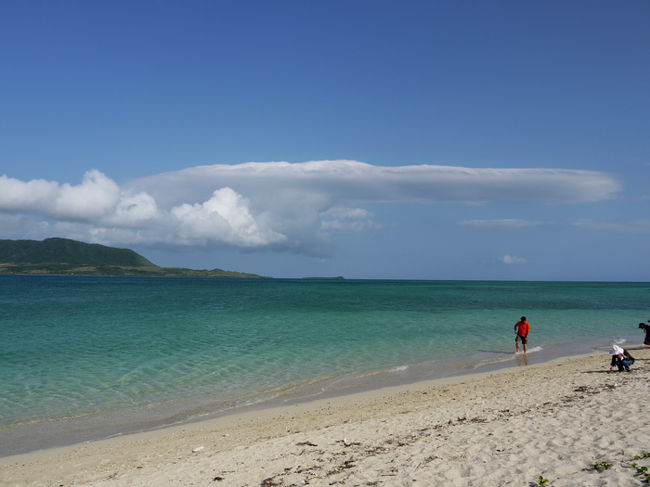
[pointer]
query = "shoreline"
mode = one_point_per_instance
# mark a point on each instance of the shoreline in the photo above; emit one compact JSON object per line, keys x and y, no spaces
{"x":416,"y":411}
{"x":134,"y":356}
{"x":59,"y":433}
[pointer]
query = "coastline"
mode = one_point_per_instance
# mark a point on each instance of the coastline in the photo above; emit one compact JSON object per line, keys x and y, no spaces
{"x":512,"y":424}
{"x":182,"y":361}
{"x":52,"y":434}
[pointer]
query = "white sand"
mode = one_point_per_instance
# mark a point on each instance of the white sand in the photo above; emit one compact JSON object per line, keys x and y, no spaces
{"x":508,"y":427}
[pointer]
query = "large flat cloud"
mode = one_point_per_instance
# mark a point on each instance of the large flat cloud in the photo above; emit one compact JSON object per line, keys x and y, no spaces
{"x":291,"y":206}
{"x":354,"y":181}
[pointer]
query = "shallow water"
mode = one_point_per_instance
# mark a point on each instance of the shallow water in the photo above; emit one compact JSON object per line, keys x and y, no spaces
{"x":89,"y":357}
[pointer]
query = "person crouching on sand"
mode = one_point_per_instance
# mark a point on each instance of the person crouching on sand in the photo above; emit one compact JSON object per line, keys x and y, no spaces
{"x":522,"y":327}
{"x":621,"y":358}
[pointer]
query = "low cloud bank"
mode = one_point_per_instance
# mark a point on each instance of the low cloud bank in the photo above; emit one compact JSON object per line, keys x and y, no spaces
{"x":291,"y":206}
{"x":512,"y":260}
{"x":505,"y":223}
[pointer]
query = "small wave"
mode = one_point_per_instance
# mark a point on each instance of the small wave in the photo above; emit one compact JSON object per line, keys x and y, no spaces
{"x":399,"y":368}
{"x":483,"y":363}
{"x":502,"y":359}
{"x":535,"y":349}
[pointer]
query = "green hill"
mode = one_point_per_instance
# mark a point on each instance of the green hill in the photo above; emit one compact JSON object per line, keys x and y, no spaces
{"x":60,"y":256}
{"x":65,"y":251}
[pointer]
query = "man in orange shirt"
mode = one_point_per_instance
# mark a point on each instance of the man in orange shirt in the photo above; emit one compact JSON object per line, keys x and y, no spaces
{"x":522,"y":327}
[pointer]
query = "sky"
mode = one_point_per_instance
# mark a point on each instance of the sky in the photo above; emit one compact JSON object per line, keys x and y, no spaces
{"x":505,"y":140}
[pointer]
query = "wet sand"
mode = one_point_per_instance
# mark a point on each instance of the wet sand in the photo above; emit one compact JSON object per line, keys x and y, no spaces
{"x":504,"y":427}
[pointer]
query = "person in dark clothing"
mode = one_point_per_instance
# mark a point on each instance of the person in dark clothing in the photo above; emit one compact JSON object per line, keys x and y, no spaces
{"x":621,"y":358}
{"x":646,"y":329}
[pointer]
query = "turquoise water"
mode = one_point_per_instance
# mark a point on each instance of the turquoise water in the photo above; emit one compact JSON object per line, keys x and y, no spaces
{"x":90,"y":357}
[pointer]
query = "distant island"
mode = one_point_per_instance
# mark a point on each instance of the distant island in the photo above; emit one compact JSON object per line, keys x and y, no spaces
{"x":324,"y":278}
{"x":65,"y":257}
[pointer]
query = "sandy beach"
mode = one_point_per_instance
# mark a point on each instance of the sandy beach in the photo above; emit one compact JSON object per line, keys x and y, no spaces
{"x":517,"y":426}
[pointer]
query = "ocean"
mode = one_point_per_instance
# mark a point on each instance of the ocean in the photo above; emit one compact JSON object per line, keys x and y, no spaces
{"x":84,"y":358}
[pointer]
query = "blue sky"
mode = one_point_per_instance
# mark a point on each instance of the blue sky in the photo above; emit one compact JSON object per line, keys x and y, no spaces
{"x":413,"y":140}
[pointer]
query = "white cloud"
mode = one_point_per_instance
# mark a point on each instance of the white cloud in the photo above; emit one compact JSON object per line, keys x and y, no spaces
{"x":98,"y":210}
{"x":347,"y":219}
{"x":350,"y":213}
{"x":94,"y":198}
{"x":505,"y":222}
{"x":511,"y":260}
{"x":34,"y":195}
{"x":293,"y":206}
{"x":134,"y":210}
{"x":225,"y":217}
{"x":353,"y":181}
